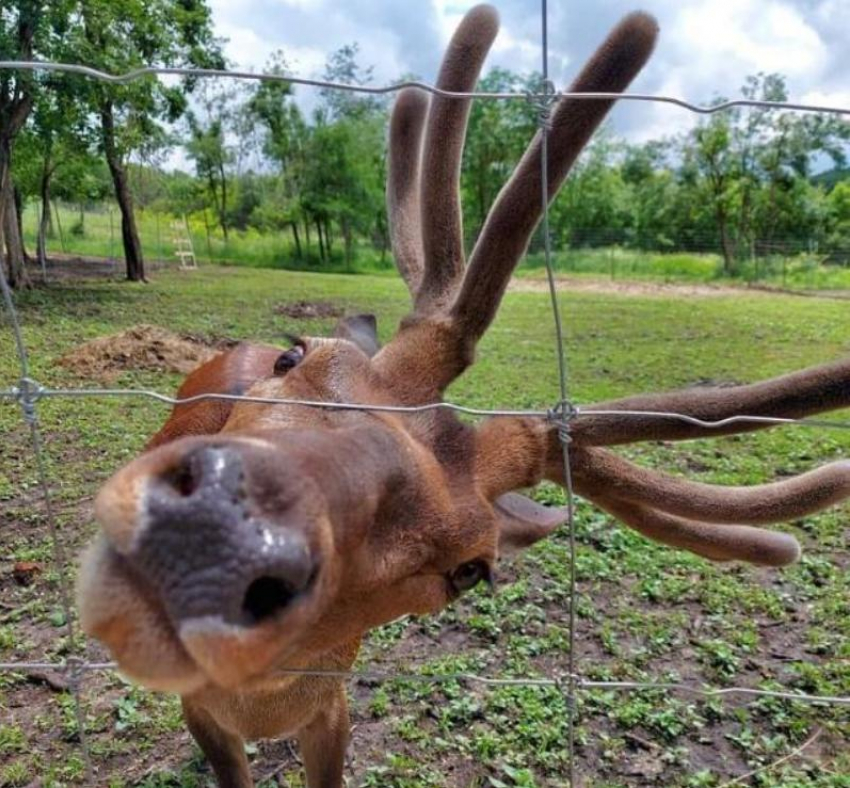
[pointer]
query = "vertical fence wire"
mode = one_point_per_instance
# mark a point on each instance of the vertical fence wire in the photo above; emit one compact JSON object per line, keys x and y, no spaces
{"x":28,"y":399}
{"x":562,"y":413}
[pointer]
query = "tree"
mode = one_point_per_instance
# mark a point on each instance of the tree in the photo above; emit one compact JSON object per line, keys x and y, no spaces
{"x":57,"y":138}
{"x":207,"y":145}
{"x":342,"y":67}
{"x":121,"y":35}
{"x":499,"y":132}
{"x":753,"y":166}
{"x":593,"y":208}
{"x":284,"y":142}
{"x":349,"y":127}
{"x":29,"y":29}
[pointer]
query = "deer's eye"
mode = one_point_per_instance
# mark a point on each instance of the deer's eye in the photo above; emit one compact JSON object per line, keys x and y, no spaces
{"x":469,"y":575}
{"x":288,"y":359}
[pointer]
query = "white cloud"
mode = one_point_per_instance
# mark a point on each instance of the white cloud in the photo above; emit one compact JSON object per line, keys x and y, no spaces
{"x":740,"y":38}
{"x":706,"y":48}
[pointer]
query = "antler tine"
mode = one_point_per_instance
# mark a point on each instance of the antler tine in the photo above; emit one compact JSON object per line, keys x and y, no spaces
{"x":442,"y":154}
{"x":732,"y":542}
{"x":403,"y":184}
{"x":796,"y":395}
{"x":604,"y":473}
{"x":518,"y":208}
{"x":651,"y":502}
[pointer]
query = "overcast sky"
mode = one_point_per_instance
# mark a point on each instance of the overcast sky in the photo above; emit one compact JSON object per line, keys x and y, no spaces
{"x":706,"y":47}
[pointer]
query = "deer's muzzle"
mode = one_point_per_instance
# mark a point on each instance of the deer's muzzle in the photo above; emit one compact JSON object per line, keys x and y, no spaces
{"x":208,"y":553}
{"x":227,"y":539}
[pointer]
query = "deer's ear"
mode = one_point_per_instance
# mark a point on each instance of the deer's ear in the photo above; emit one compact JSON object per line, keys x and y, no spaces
{"x":522,"y":522}
{"x":362,"y":330}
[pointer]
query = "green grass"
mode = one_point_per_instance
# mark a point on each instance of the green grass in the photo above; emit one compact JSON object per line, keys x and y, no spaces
{"x":644,"y":612}
{"x":803,"y":271}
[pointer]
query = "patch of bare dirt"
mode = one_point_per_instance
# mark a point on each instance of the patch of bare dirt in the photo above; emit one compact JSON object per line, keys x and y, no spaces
{"x":61,"y":266}
{"x":142,"y":347}
{"x":307,"y":310}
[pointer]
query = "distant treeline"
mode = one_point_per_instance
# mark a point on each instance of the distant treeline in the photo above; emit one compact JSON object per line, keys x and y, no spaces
{"x":740,"y":183}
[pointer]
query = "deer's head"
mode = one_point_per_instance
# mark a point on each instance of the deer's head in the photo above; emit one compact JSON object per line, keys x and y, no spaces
{"x":254,"y":536}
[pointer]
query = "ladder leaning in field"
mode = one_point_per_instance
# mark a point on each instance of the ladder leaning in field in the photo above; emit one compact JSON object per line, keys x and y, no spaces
{"x":184,"y":250}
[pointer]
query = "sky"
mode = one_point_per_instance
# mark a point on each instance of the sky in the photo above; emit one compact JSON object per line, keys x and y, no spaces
{"x":706,"y":47}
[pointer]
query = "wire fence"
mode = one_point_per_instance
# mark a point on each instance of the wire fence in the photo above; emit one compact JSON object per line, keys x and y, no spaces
{"x":28,"y":393}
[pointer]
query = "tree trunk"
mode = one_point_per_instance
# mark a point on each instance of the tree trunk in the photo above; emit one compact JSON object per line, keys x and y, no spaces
{"x":307,"y":234}
{"x":19,"y":213}
{"x":348,"y":241}
{"x":45,"y":225}
{"x":57,"y":214}
{"x":297,"y":239}
{"x":209,"y":235}
{"x":321,"y":240}
{"x":129,"y":233}
{"x":729,"y":264}
{"x":383,"y":236}
{"x":15,"y":107}
{"x":12,"y":241}
{"x":223,"y":214}
{"x":328,"y":246}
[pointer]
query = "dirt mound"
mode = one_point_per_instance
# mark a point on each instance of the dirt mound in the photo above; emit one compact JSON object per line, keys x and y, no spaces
{"x":142,"y":347}
{"x":304,"y":310}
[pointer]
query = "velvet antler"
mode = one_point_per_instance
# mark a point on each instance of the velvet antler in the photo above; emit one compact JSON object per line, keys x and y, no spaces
{"x":453,"y":308}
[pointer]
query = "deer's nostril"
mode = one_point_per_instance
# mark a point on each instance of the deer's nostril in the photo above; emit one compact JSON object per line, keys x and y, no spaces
{"x":184,"y":480}
{"x":210,"y":468}
{"x":265,"y":597}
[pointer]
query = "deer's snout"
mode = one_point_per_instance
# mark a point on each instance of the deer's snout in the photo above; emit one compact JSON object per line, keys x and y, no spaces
{"x":209,"y":552}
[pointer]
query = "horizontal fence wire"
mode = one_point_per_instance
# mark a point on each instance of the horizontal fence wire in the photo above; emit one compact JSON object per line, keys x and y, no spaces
{"x":376,"y":676}
{"x":29,"y":390}
{"x":27,"y":393}
{"x":207,"y":73}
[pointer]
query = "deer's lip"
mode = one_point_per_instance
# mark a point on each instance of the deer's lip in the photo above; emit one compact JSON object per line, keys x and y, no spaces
{"x":131,"y":621}
{"x":120,"y":612}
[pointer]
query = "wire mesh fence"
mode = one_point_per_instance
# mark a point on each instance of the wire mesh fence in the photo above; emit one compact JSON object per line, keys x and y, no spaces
{"x":29,"y":393}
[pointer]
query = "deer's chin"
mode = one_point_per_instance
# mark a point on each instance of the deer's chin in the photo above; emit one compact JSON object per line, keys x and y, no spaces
{"x":117,"y":609}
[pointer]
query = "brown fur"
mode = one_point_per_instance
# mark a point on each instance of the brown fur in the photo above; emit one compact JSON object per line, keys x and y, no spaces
{"x":391,"y":506}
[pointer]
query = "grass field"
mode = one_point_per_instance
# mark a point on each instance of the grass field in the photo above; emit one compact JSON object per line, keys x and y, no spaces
{"x":644,"y":612}
{"x":98,"y":233}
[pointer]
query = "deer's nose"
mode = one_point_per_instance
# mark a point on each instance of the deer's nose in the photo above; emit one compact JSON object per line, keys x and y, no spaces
{"x":207,"y":554}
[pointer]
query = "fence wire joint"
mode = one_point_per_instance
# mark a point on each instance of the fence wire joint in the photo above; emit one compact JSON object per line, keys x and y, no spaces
{"x":562,"y":414}
{"x":543,"y":99}
{"x":28,"y":392}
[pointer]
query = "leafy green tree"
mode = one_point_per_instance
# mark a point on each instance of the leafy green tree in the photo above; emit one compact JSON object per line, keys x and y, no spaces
{"x":58,"y":140}
{"x":652,"y":194}
{"x":208,"y":146}
{"x":350,"y":126}
{"x":593,"y":207}
{"x":121,"y":35}
{"x":342,"y":67}
{"x":29,"y":30}
{"x":499,"y":132}
{"x":839,"y":207}
{"x":284,"y":142}
{"x":753,"y":167}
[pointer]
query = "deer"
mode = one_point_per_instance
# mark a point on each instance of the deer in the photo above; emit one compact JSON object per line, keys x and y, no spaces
{"x":247,"y":551}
